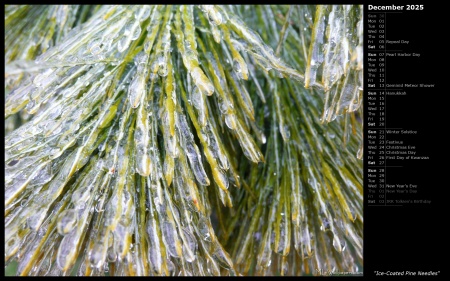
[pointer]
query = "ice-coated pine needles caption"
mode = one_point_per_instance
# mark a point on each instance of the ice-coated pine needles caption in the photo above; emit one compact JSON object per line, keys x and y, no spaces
{"x":183,"y":140}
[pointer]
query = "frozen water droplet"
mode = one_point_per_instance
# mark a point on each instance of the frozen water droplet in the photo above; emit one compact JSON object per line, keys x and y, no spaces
{"x":339,"y":245}
{"x":31,"y":104}
{"x":12,"y":245}
{"x":40,"y":79}
{"x":96,"y":255}
{"x":216,"y":34}
{"x":215,"y":18}
{"x":140,"y":58}
{"x":230,"y":120}
{"x":237,"y":67}
{"x":263,"y":138}
{"x":34,"y":221}
{"x":196,"y":98}
{"x":360,"y":152}
{"x":43,"y":176}
{"x":65,"y":250}
{"x":221,"y":178}
{"x":171,"y":238}
{"x":163,"y":70}
{"x":190,"y":246}
{"x":94,"y":47}
{"x":146,"y":13}
{"x":111,"y":255}
{"x":136,"y":33}
{"x":222,"y":257}
{"x":147,"y":46}
{"x":136,"y":90}
{"x":203,"y":229}
{"x":79,"y":195}
{"x":122,"y":45}
{"x":23,"y":203}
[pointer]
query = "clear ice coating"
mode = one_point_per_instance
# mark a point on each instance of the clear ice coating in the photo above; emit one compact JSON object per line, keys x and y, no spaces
{"x":172,"y":241}
{"x":173,"y":140}
{"x":192,"y":151}
{"x":339,"y":51}
{"x":315,"y":55}
{"x":67,"y":221}
{"x":137,"y":89}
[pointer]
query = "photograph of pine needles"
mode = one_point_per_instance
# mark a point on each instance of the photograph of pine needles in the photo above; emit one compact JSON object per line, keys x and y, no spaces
{"x":183,"y":140}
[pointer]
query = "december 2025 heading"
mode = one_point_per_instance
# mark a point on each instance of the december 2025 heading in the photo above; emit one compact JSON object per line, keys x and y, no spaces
{"x":395,"y":7}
